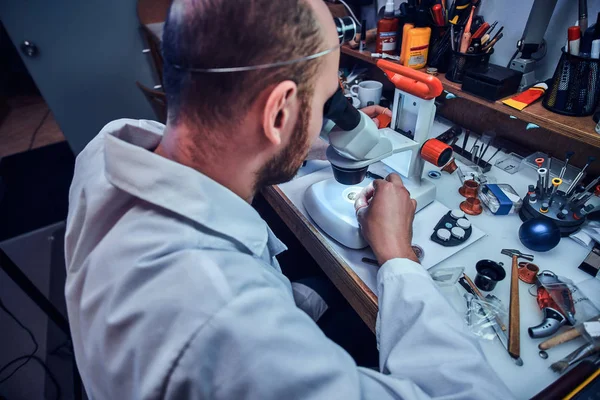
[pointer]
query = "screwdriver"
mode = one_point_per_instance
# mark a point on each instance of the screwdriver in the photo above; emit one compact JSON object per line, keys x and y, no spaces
{"x":579,"y":176}
{"x":438,"y":15}
{"x":481,"y":31}
{"x":564,"y":168}
{"x":556,"y":183}
{"x":578,"y":196}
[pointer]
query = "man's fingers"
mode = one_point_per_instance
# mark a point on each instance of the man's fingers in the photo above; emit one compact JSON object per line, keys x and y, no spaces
{"x":360,"y":215}
{"x":373,"y":111}
{"x":376,"y":122}
{"x":395,"y":179}
{"x":414,"y":203}
{"x":364,"y":196}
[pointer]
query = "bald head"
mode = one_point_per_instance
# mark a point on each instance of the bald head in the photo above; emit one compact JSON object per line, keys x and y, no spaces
{"x":226,"y":33}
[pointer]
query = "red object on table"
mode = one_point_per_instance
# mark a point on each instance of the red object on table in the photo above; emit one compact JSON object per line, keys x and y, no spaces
{"x":539,"y":162}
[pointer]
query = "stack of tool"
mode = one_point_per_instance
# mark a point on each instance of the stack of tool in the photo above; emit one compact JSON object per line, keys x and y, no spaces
{"x":566,"y":208}
{"x":477,"y":152}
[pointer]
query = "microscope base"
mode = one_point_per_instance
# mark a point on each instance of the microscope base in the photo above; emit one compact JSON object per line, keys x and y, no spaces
{"x":331,"y":206}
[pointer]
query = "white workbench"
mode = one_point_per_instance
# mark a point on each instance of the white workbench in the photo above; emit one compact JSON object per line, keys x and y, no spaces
{"x":501,"y":232}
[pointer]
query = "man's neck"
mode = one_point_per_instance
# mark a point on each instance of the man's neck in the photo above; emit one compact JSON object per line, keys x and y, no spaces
{"x":223,"y":170}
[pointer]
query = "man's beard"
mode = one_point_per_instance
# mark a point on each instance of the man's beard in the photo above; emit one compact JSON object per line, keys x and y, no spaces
{"x":284,"y":166}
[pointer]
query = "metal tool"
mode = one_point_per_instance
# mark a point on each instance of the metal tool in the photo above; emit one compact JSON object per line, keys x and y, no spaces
{"x":487,"y":138}
{"x":497,"y":325}
{"x":514,"y":324}
{"x":465,"y":138}
{"x":564,"y":337}
{"x":469,"y":298}
{"x":542,"y":181}
{"x":477,"y":293}
{"x":579,"y":202}
{"x":556,"y":182}
{"x":564,"y":168}
{"x":579,"y":176}
{"x":582,"y":352}
{"x":472,"y":147}
{"x":474,"y":152}
{"x":556,"y":313}
{"x":493,"y":155}
{"x":548,"y":169}
{"x":577,"y":196}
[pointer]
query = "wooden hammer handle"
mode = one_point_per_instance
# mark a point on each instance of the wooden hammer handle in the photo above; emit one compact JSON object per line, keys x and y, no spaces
{"x":514,"y":323}
{"x":564,"y":337}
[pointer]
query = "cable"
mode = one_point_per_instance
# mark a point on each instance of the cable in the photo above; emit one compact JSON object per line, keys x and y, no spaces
{"x":351,"y":12}
{"x":29,"y":357}
{"x":35,"y":344}
{"x":35,"y":132}
{"x":46,"y":369}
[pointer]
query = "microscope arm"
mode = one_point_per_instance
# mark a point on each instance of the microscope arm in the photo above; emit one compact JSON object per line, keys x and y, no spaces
{"x":537,"y":23}
{"x":355,"y":140}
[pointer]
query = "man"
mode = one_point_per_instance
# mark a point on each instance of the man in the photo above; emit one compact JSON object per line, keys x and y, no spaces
{"x":173,"y":287}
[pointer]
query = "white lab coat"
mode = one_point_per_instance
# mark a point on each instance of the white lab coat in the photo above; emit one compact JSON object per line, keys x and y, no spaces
{"x":174,"y":292}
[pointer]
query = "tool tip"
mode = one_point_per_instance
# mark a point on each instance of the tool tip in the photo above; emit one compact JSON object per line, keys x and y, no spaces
{"x":518,"y":361}
{"x":560,"y":366}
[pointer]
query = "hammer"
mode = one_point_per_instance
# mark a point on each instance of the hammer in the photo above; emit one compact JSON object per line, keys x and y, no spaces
{"x":514,"y":344}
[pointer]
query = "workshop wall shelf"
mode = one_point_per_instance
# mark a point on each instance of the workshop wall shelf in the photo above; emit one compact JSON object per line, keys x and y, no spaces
{"x":578,"y":128}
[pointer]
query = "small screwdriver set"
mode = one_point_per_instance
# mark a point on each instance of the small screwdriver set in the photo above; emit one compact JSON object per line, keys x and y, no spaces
{"x":566,"y":207}
{"x":477,"y":152}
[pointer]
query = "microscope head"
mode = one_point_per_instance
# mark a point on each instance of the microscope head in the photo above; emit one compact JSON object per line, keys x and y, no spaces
{"x":356,"y":142}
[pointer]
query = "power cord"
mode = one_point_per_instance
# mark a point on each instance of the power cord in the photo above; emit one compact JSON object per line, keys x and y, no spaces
{"x":25,"y":359}
{"x":351,"y":12}
{"x":35,"y":344}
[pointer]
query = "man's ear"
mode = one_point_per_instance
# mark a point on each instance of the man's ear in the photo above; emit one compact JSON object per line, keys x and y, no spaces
{"x":279,"y":110}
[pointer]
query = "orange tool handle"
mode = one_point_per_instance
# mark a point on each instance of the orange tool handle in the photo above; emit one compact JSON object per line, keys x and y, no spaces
{"x":481,"y":31}
{"x":411,"y":81}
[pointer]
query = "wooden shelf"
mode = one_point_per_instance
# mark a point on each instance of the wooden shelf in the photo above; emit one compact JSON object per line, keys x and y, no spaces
{"x":578,"y":128}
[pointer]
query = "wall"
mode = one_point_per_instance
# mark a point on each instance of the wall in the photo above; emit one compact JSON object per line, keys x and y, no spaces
{"x":513,"y":15}
{"x":90,"y":55}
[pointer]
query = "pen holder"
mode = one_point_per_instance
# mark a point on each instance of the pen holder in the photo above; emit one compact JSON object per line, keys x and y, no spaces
{"x":575,"y":87}
{"x":460,"y":62}
{"x":439,"y":48}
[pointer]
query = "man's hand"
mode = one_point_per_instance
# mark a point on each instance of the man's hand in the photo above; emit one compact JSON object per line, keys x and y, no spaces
{"x":385,"y":213}
{"x":373,"y":111}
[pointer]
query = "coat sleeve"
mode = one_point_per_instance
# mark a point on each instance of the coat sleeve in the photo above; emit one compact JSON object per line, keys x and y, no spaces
{"x":261,"y":346}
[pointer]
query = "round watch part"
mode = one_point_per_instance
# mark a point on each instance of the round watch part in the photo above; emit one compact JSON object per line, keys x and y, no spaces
{"x":456,"y":214}
{"x":443,"y":234}
{"x":448,"y":225}
{"x":463,"y":223}
{"x":458,"y":233}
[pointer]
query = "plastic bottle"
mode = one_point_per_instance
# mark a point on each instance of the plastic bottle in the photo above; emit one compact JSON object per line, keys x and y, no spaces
{"x":387,"y":31}
{"x":415,"y":42}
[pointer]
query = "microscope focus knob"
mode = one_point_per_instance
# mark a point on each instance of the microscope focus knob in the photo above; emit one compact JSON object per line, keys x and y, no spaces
{"x":436,"y":152}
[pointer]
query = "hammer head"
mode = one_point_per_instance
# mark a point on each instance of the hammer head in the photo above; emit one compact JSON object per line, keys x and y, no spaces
{"x":513,"y":252}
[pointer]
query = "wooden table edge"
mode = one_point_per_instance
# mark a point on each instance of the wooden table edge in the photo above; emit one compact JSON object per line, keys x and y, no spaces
{"x":352,"y":287}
